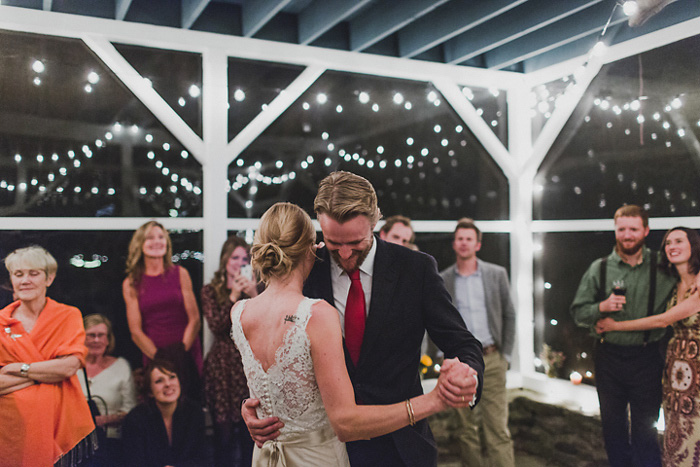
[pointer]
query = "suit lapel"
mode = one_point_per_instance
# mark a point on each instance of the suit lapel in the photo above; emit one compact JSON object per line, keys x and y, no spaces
{"x":322,"y":287}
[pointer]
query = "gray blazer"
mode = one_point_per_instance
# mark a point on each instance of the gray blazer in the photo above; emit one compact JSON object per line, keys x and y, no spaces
{"x":499,"y":305}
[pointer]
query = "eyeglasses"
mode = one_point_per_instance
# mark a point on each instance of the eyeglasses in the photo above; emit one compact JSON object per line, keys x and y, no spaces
{"x":98,"y":335}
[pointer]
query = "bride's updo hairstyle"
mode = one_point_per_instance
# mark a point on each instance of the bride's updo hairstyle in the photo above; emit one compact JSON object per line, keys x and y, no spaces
{"x":284,"y":237}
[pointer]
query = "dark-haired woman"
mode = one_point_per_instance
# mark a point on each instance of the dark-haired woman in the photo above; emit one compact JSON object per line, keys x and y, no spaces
{"x":681,"y":381}
{"x":167,"y":429}
{"x":225,"y":385}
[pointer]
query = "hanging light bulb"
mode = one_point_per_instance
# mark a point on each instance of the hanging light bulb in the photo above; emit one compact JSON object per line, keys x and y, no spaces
{"x":599,"y":49}
{"x":630,"y":8}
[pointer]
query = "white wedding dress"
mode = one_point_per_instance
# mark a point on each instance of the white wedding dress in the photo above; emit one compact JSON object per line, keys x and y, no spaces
{"x":288,"y":390}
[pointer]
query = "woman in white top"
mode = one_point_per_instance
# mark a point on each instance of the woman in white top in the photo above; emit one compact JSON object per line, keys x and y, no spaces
{"x":292,"y":353}
{"x":111,"y":385}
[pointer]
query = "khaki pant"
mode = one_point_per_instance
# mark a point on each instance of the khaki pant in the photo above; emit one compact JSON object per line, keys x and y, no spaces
{"x":483,"y":433}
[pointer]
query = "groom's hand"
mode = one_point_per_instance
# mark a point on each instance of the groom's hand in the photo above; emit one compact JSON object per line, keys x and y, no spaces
{"x":458,"y":386}
{"x":261,"y":430}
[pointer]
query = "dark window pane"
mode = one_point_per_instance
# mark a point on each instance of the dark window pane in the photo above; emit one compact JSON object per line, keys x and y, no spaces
{"x":401,"y":135}
{"x":175,"y":75}
{"x":544,"y":100}
{"x":75,"y":142}
{"x":253,"y":85}
{"x":492,"y":106}
{"x":91,"y":270}
{"x":633,"y":139}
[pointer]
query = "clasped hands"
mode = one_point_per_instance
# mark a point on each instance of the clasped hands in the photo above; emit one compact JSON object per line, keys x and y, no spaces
{"x":457,"y":384}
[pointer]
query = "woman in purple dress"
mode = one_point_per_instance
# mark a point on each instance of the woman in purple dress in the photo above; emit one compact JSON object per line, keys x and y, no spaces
{"x":161,"y":307}
{"x":225,"y":385}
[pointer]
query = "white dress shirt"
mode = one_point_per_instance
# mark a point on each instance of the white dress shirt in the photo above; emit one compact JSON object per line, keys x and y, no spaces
{"x":340,"y":283}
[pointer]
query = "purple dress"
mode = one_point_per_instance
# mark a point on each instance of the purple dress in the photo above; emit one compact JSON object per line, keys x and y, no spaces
{"x":163,"y":314}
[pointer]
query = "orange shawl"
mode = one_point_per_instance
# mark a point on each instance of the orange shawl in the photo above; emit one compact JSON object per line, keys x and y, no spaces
{"x":41,"y":423}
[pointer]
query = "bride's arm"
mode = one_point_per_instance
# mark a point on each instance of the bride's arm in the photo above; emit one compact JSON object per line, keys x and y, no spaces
{"x":350,"y":421}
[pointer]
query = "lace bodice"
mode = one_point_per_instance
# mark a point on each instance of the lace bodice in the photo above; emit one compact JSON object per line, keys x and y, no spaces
{"x":288,"y":389}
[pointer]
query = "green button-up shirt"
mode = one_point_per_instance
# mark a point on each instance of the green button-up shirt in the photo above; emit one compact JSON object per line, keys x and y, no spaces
{"x":584,"y":308}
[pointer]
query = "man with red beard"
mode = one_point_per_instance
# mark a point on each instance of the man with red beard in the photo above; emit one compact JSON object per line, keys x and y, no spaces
{"x":627,"y":285}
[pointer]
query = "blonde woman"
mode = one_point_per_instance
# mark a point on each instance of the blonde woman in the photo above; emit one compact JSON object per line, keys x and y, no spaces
{"x":111,"y":387}
{"x":292,"y":353}
{"x":161,"y":307}
{"x":44,"y":418}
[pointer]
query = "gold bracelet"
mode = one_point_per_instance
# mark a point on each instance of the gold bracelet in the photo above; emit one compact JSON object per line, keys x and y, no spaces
{"x":411,"y":416}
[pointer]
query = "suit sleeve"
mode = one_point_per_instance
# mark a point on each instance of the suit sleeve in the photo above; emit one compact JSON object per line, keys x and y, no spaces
{"x":508,"y":336}
{"x":446,"y":327}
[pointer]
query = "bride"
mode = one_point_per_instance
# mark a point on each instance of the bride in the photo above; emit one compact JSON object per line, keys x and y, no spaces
{"x":292,"y":353}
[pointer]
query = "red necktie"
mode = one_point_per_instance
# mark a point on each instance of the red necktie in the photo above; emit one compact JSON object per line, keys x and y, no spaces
{"x":355,"y":316}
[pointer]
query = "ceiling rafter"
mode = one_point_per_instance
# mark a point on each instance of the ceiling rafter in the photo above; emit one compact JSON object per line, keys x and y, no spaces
{"x":423,"y":35}
{"x":257,"y":13}
{"x":588,"y":22}
{"x":323,"y":15}
{"x":386,"y":18}
{"x":515,"y":23}
{"x":121,"y":8}
{"x":191,"y":10}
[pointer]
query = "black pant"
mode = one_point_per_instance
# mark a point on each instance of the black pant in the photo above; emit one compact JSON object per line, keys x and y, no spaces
{"x":630,"y":376}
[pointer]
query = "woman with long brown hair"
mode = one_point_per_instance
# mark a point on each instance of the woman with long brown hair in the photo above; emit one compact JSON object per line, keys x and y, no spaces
{"x":225,"y":385}
{"x":161,"y":307}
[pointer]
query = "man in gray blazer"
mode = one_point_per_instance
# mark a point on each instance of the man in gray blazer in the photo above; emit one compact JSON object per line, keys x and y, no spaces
{"x":481,"y":293}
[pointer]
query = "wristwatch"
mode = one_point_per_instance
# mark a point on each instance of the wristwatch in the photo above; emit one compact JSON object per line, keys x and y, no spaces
{"x":24,"y":370}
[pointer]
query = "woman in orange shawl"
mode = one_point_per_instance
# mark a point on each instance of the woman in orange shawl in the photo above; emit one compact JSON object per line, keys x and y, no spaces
{"x":44,"y":418}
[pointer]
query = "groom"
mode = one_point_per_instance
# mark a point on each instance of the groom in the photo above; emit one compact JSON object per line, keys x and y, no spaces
{"x":402,"y":296}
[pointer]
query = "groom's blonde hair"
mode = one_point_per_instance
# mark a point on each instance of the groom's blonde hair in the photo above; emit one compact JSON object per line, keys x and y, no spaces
{"x":344,"y":195}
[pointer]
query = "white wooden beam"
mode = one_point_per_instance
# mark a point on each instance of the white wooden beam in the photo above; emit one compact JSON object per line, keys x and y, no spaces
{"x":96,"y":223}
{"x":619,"y":51}
{"x":273,"y":111}
{"x":146,"y":94}
{"x":477,"y":125}
{"x":565,"y":106}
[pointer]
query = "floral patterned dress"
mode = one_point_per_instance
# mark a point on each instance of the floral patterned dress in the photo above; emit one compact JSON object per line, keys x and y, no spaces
{"x":681,"y":393}
{"x":225,"y":385}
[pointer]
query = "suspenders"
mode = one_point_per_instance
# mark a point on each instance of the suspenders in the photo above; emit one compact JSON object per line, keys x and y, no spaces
{"x":652,"y":286}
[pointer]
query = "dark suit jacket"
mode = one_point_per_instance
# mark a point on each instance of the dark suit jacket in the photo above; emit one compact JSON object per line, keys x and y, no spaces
{"x":408,"y":298}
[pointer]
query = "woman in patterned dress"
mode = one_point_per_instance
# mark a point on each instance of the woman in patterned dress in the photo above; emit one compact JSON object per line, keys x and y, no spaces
{"x":681,"y":383}
{"x":225,"y":385}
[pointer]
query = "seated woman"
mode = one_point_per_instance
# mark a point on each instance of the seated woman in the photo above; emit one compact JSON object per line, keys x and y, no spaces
{"x":44,"y":418}
{"x":292,"y":353}
{"x":161,"y":307}
{"x":111,"y":387}
{"x":166,"y":430}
